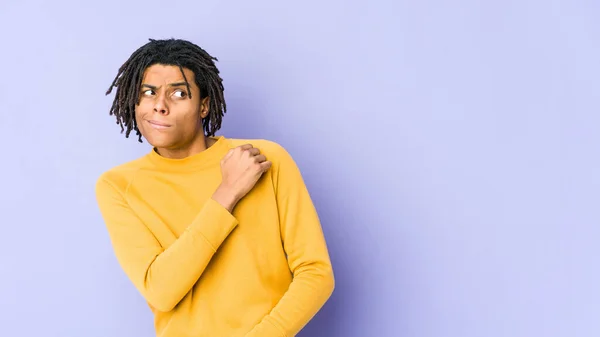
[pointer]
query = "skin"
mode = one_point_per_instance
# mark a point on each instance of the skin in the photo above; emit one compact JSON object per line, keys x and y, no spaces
{"x":167,"y":118}
{"x":171,"y":122}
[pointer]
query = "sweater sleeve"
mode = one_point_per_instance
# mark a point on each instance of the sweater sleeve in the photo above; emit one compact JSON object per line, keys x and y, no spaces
{"x":162,"y":276}
{"x":306,"y":249}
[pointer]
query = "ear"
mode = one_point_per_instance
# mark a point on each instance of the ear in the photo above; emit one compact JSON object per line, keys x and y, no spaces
{"x":204,"y":107}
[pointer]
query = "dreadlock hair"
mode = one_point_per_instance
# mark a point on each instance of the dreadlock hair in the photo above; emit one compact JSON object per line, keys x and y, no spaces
{"x":174,"y":52}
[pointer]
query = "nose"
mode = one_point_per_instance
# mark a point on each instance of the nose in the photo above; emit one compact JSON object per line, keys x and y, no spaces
{"x":160,"y":105}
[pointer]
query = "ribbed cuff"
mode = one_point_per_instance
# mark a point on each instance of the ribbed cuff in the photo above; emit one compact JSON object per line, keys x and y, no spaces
{"x":273,"y":328}
{"x":214,"y":223}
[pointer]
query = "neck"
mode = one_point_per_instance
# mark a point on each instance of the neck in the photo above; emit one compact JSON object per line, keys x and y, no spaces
{"x":201,"y":143}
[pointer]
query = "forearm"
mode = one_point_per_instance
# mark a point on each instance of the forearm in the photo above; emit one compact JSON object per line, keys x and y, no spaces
{"x":166,"y":276}
{"x":307,"y":294}
{"x":306,"y":251}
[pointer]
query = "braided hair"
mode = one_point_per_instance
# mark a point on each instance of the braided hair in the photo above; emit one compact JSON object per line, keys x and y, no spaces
{"x":174,"y":52}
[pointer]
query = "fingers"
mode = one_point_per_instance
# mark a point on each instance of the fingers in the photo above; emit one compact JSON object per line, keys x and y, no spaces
{"x":238,"y":149}
{"x":228,"y":154}
{"x":253,"y":151}
{"x":250,"y":151}
{"x":260,"y":158}
{"x":265,"y":165}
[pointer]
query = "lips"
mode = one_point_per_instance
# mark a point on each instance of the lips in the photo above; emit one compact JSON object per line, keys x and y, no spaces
{"x":158,"y":125}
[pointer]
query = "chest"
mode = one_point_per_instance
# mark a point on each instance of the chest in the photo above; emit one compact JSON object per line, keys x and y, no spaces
{"x":168,"y":203}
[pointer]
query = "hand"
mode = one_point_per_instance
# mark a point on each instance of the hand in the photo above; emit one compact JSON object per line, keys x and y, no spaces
{"x":240,"y":168}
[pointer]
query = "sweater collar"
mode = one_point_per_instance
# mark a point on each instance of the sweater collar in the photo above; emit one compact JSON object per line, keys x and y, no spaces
{"x":205,"y":158}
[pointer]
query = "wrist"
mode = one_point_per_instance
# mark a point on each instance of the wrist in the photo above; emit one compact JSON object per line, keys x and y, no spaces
{"x":226,"y":197}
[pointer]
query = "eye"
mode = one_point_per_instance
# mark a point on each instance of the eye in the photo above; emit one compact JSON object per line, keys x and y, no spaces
{"x":180,"y":94}
{"x":147,"y":92}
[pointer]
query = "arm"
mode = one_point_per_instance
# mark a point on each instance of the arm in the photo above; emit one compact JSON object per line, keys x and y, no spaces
{"x":308,"y":257}
{"x":162,"y":276}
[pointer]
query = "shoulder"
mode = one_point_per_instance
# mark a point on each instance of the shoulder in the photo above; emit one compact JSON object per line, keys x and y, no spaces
{"x":274,"y":151}
{"x":284,"y":167}
{"x":119,"y":177}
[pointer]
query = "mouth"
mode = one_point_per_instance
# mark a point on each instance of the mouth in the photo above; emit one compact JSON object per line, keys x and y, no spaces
{"x":158,"y":125}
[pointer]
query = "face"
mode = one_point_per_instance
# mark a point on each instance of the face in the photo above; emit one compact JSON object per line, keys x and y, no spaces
{"x":166,"y":116}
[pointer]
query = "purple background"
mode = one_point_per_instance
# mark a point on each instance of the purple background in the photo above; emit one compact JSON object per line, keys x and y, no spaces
{"x":451,"y":148}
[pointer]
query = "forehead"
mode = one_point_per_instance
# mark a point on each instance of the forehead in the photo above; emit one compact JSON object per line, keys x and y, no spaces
{"x":164,"y":74}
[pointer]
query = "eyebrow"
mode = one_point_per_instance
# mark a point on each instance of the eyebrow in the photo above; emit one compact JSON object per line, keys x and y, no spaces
{"x":176,"y":84}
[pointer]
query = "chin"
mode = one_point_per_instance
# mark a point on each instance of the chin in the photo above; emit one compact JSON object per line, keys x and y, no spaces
{"x":160,"y":142}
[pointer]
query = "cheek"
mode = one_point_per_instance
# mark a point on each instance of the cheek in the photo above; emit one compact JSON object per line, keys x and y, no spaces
{"x":187,"y":116}
{"x":188,"y":123}
{"x":138,"y":118}
{"x":140,"y":113}
{"x":143,"y":109}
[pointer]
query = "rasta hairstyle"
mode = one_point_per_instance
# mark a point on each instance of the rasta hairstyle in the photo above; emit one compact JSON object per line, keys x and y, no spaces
{"x":174,"y":52}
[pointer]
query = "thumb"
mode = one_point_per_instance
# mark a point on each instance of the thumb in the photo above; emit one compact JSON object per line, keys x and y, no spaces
{"x":228,"y":154}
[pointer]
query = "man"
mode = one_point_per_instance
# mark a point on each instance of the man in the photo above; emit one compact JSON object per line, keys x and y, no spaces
{"x":219,"y":235}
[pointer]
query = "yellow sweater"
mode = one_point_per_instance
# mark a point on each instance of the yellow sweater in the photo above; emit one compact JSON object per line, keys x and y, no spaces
{"x":261,"y":271}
